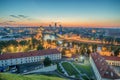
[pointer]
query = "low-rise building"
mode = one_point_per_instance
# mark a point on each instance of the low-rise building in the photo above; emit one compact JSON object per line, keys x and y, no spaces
{"x":113,"y":61}
{"x":10,"y":59}
{"x":102,"y":70}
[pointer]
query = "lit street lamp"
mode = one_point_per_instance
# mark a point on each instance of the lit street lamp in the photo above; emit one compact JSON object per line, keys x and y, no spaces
{"x":82,"y":59}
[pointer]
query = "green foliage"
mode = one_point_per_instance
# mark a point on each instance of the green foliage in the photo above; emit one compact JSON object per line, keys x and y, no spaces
{"x":47,"y":61}
{"x":69,"y":68}
{"x":117,"y":40}
{"x":35,"y":42}
{"x":49,"y":41}
{"x":8,"y":76}
{"x":22,"y":46}
{"x":40,"y":47}
{"x":84,"y":69}
{"x":23,"y":42}
{"x":63,"y":51}
{"x":88,"y":51}
{"x":94,"y":47}
{"x":59,"y":69}
{"x":12,"y":42}
{"x":4,"y":44}
{"x":109,"y":39}
{"x":117,"y":51}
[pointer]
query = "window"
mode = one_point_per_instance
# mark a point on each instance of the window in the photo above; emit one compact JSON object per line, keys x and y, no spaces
{"x":16,"y":62}
{"x":112,"y":63}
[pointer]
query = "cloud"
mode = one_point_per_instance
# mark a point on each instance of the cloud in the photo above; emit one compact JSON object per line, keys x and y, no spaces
{"x":14,"y":16}
{"x":23,"y":16}
{"x":7,"y":22}
{"x":20,"y":16}
{"x":4,"y":23}
{"x":10,"y":21}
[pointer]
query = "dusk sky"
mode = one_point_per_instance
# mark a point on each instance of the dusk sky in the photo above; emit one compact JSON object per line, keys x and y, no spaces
{"x":92,"y":13}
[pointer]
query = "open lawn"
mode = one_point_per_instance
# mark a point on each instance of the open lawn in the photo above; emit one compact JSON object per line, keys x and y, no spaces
{"x":70,"y":69}
{"x":84,"y":69}
{"x":85,"y":78}
{"x":8,"y":76}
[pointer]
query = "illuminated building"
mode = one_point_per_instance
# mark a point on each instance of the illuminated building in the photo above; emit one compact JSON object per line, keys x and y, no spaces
{"x":10,"y":59}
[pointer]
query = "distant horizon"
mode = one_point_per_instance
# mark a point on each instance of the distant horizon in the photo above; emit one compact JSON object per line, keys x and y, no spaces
{"x":63,"y":27}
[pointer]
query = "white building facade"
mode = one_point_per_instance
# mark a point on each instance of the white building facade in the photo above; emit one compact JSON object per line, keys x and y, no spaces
{"x":28,"y":57}
{"x":112,"y":60}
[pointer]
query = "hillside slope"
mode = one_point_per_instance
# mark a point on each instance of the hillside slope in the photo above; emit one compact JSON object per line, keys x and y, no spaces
{"x":8,"y":76}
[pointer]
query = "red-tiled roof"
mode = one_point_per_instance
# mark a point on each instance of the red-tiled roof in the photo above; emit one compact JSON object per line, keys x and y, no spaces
{"x":28,"y":54}
{"x":75,"y":56}
{"x":112,"y":58}
{"x":105,"y":70}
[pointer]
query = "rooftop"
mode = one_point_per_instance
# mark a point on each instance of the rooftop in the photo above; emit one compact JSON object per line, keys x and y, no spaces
{"x":105,"y":70}
{"x":112,"y":58}
{"x":28,"y":54}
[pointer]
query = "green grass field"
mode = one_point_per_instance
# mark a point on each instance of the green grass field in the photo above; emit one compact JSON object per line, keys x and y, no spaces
{"x":85,"y":78}
{"x":84,"y":69}
{"x":59,"y":69}
{"x":69,"y":68}
{"x":8,"y":76}
{"x":78,"y":67}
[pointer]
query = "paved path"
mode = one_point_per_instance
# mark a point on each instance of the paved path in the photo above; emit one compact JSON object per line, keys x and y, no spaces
{"x":60,"y":64}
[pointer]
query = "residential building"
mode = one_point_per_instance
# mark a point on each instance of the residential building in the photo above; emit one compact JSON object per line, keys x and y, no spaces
{"x":113,"y":61}
{"x":102,"y":70}
{"x":10,"y":59}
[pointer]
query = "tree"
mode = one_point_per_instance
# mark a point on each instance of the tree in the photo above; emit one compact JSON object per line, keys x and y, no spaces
{"x":117,"y":51}
{"x":47,"y":61}
{"x":12,"y":42}
{"x":35,"y":42}
{"x":2,"y":44}
{"x":94,"y":47}
{"x":23,"y":42}
{"x":88,"y":52}
{"x":40,"y":47}
{"x":63,"y":51}
{"x":109,"y":40}
{"x":83,"y":51}
{"x":0,"y":51}
{"x":117,"y":40}
{"x":49,"y":41}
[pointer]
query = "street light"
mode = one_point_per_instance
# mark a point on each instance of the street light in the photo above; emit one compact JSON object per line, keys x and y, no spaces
{"x":82,"y":58}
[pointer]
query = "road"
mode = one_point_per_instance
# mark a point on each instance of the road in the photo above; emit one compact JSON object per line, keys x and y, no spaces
{"x":84,"y":41}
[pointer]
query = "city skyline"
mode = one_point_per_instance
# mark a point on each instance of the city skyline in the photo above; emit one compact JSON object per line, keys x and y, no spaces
{"x":69,"y":13}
